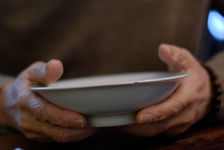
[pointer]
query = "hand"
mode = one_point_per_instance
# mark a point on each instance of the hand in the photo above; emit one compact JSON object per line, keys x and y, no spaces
{"x":188,"y":104}
{"x":32,"y":115}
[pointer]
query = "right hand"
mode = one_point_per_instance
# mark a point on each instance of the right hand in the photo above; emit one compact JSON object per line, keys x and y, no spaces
{"x":37,"y":119}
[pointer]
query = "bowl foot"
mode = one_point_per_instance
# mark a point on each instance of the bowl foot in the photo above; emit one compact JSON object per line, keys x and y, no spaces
{"x":108,"y":120}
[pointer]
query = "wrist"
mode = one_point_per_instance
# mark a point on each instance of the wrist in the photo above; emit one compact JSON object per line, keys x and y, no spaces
{"x":3,"y":110}
{"x":216,"y":94}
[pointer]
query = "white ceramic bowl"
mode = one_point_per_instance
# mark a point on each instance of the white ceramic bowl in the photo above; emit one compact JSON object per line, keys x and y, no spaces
{"x":111,"y":100}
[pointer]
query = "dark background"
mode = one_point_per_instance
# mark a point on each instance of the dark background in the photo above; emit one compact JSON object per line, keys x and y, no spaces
{"x":211,"y":46}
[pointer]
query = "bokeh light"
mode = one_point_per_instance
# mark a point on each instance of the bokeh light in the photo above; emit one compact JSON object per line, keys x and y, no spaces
{"x":216,"y":25}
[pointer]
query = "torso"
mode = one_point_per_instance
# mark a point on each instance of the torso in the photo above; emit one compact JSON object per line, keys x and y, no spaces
{"x":96,"y":36}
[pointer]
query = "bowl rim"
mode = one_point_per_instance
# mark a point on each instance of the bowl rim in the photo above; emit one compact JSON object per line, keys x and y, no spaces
{"x":176,"y":76}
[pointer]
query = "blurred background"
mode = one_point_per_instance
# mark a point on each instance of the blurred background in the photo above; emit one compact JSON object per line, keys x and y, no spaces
{"x":101,"y":36}
{"x":213,"y":41}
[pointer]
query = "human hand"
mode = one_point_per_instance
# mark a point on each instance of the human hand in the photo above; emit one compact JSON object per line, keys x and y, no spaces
{"x":188,"y":104}
{"x":37,"y":119}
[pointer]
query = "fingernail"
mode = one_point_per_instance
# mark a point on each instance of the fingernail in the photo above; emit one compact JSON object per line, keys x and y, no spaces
{"x":82,"y":124}
{"x":79,"y":122}
{"x":146,"y":118}
{"x":45,"y":68}
{"x":168,"y":50}
{"x":48,"y":64}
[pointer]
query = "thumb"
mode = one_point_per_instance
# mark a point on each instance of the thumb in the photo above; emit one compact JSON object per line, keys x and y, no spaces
{"x":44,"y":73}
{"x":177,"y":59}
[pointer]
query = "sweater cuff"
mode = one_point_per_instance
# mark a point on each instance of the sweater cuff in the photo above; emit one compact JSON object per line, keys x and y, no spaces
{"x":4,"y":78}
{"x":217,"y":65}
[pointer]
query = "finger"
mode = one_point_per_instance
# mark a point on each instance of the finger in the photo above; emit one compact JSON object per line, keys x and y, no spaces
{"x":187,"y":117}
{"x":63,"y":135}
{"x":31,"y":125}
{"x":146,"y":130}
{"x":42,"y":73}
{"x":172,"y":106}
{"x":177,"y":130}
{"x":177,"y":59}
{"x":47,"y":112}
{"x":171,"y":126}
{"x":37,"y":137}
{"x":183,"y":121}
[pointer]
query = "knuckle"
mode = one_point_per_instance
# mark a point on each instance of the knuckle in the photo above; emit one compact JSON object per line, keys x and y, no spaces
{"x":180,"y":131}
{"x":174,"y":111}
{"x":37,"y":108}
{"x":200,"y":98}
{"x":193,"y":97}
{"x":193,"y":117}
{"x":159,"y":116}
{"x":60,"y":118}
{"x":22,"y":100}
{"x":157,"y":128}
{"x":190,"y":119}
{"x":62,"y":137}
{"x":39,"y":112}
{"x":177,"y":107}
{"x":30,"y":136}
{"x":36,"y":137}
{"x":23,"y":125}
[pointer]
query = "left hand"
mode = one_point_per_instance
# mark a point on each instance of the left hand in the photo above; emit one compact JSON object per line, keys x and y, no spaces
{"x":188,"y":104}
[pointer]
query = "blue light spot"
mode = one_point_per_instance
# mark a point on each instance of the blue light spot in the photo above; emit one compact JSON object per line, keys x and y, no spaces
{"x":216,"y":25}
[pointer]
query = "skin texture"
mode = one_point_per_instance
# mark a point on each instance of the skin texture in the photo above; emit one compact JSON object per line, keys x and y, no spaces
{"x":33,"y":116}
{"x":39,"y":120}
{"x":188,"y":104}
